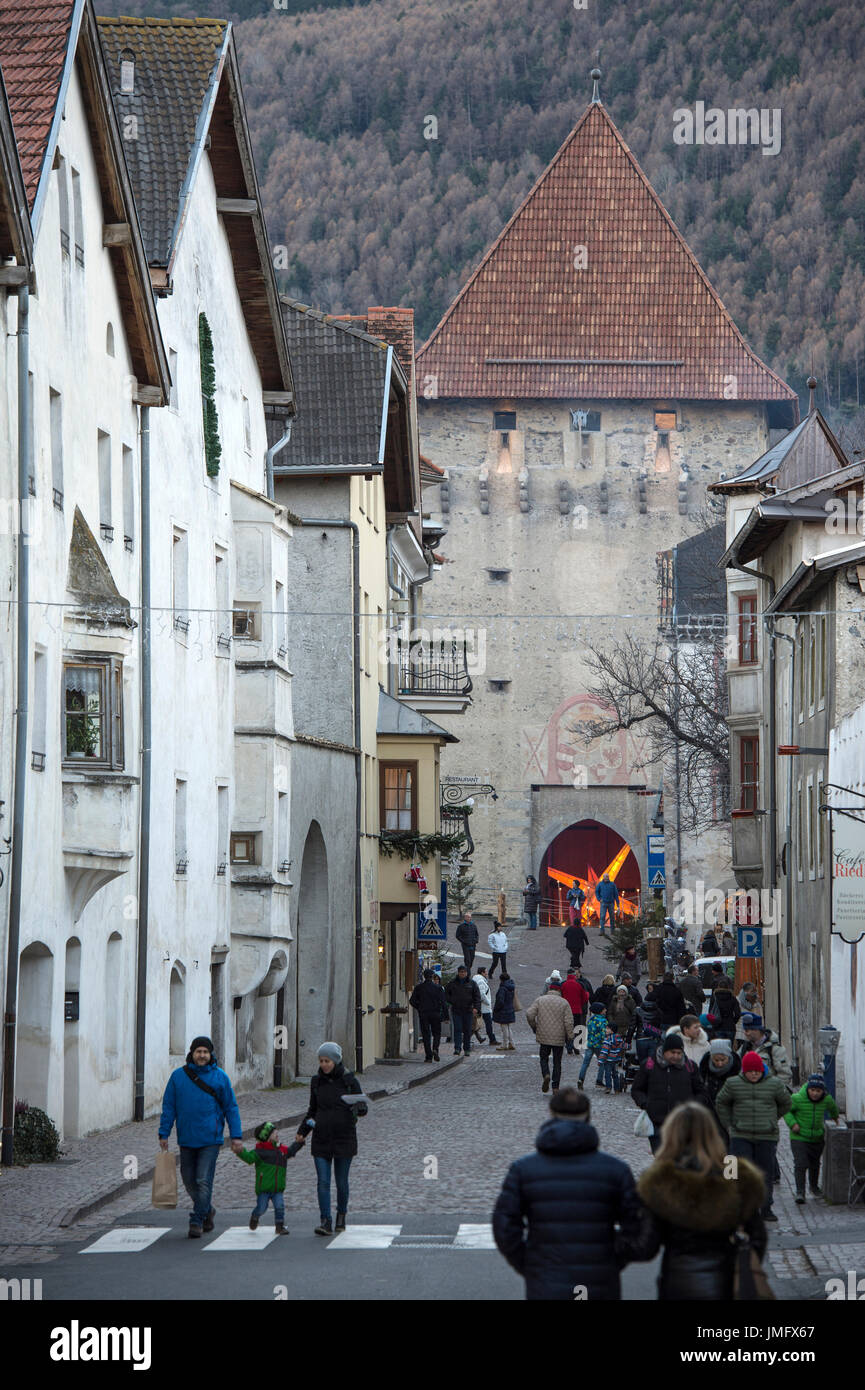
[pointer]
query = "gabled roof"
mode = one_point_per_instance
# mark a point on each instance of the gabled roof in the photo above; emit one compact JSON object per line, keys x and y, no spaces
{"x":640,"y":320}
{"x":186,"y":98}
{"x":40,"y":46}
{"x":805,"y":454}
{"x":16,"y":236}
{"x":35,"y":40}
{"x":804,"y":502}
{"x":398,"y":720}
{"x":353,"y":412}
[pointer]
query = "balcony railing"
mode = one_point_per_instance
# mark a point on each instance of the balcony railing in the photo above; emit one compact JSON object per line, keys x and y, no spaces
{"x":437,"y":667}
{"x":456,"y":822}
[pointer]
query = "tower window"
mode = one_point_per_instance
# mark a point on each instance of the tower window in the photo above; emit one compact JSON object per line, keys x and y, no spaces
{"x":505,"y":420}
{"x":665,"y":420}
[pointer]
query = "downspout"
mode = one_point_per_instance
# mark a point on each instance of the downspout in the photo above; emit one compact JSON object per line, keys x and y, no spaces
{"x":331,"y":523}
{"x":146,"y":776}
{"x":269,"y":457}
{"x":16,"y":866}
{"x":788,"y":858}
{"x":678,"y":774}
{"x":773,"y":786}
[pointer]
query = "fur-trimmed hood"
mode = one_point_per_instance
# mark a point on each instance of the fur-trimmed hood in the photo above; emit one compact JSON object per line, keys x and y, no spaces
{"x":699,"y":1202}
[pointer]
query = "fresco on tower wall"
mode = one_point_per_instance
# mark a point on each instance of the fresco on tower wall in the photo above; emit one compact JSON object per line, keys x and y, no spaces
{"x":558,"y":754}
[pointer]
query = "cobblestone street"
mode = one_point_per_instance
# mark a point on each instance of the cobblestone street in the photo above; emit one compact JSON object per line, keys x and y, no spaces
{"x":473,"y":1119}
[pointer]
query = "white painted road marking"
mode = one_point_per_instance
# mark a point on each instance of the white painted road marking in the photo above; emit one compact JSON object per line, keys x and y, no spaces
{"x":365,"y":1238}
{"x":126,"y":1239}
{"x":474,"y":1237}
{"x":242,"y":1238}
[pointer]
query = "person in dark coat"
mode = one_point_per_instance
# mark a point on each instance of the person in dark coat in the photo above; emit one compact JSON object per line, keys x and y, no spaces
{"x":504,"y":1011}
{"x":464,"y":1000}
{"x":718,"y":1065}
{"x":692,"y":1206}
{"x":576,"y":942}
{"x":691,"y":989}
{"x":605,"y":991}
{"x":428,"y":998}
{"x":649,"y":1020}
{"x":632,"y":989}
{"x":709,"y":945}
{"x":467,"y":935}
{"x":725,"y":1007}
{"x":629,"y":965}
{"x":531,"y":901}
{"x":554,"y":1219}
{"x":665,"y":1081}
{"x":668,"y":998}
{"x":334,"y":1131}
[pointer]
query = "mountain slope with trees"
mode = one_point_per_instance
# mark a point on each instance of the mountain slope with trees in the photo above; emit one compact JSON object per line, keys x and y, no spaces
{"x":371,"y":210}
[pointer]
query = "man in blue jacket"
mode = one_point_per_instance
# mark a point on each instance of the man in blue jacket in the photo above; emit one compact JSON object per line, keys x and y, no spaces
{"x":607,"y":895}
{"x":199,"y":1098}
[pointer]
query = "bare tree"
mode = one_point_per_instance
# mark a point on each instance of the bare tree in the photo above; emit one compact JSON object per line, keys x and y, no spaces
{"x":675,"y":688}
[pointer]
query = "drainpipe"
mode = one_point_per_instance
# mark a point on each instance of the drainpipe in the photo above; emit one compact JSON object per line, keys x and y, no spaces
{"x":678,"y":774}
{"x":270,"y":456}
{"x":330,"y":523}
{"x":146,"y":776}
{"x":22,"y":691}
{"x":788,"y":858}
{"x":773,"y":785}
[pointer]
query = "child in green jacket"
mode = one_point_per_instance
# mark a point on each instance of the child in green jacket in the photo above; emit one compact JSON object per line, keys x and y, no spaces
{"x":270,"y":1158}
{"x":806,"y":1117}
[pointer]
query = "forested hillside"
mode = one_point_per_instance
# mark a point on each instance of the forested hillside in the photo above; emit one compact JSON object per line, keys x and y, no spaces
{"x":373,"y":212}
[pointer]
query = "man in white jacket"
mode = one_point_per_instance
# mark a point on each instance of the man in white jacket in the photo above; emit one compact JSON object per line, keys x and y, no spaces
{"x":498,"y":944}
{"x":484,"y":991}
{"x":695,"y":1038}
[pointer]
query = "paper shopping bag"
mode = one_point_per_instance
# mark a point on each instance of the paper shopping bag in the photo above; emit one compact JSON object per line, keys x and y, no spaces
{"x":164,"y":1181}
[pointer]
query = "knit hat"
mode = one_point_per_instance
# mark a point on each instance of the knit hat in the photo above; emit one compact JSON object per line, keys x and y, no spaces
{"x":751,"y":1021}
{"x":674,"y":1042}
{"x":622,"y":989}
{"x":555,"y":984}
{"x":752,"y":1061}
{"x":263,"y":1131}
{"x":817,"y":1080}
{"x":721,"y":1045}
{"x":331,"y":1050}
{"x":201,"y":1042}
{"x":555,"y":975}
{"x":597,"y":1008}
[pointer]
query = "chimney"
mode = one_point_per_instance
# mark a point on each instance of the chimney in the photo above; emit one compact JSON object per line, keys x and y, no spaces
{"x":396,"y":327}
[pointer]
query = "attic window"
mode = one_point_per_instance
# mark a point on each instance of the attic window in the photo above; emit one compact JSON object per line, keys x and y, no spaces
{"x":586,"y":421}
{"x":127,"y":73}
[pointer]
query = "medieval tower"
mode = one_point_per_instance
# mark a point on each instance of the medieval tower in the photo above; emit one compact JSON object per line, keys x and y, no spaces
{"x":580,"y":392}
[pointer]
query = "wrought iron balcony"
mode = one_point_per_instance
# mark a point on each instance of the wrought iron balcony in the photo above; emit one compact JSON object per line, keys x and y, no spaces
{"x":435,"y":667}
{"x":455,"y":821}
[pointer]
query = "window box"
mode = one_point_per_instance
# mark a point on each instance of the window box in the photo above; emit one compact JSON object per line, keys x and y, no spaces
{"x":93,"y":713}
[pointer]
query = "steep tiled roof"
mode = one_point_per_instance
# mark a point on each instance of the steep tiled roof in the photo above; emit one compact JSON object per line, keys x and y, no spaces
{"x":175,"y":65}
{"x":34,"y":36}
{"x":340,"y":383}
{"x":640,"y":320}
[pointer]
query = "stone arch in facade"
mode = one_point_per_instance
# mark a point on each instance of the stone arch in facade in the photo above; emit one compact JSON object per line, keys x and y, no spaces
{"x":312,"y":953}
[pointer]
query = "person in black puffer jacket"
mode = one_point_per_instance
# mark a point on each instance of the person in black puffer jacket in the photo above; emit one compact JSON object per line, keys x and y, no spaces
{"x":665,"y":1081}
{"x":669,"y":1000}
{"x":571,"y":1195}
{"x":725,"y":1007}
{"x":691,"y":1207}
{"x":334,"y":1137}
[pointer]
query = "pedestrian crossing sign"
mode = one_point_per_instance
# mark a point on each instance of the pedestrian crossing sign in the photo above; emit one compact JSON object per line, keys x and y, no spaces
{"x":430,"y":930}
{"x":658,"y":879}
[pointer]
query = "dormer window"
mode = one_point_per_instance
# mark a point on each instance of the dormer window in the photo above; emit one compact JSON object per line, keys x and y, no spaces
{"x":127,"y":73}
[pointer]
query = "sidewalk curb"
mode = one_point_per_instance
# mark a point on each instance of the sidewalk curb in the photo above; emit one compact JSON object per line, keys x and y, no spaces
{"x":75,"y":1214}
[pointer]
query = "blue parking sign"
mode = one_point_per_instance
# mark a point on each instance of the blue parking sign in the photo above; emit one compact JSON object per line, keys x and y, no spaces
{"x":750,"y":942}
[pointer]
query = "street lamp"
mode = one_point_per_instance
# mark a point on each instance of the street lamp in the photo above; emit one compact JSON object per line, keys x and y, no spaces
{"x":828,"y":1039}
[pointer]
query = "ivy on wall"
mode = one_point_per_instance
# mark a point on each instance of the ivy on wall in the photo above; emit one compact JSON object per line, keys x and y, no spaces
{"x":212,"y":446}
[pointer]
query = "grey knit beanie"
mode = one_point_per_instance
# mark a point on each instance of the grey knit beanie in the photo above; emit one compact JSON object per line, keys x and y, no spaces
{"x":721,"y":1045}
{"x":331,"y":1050}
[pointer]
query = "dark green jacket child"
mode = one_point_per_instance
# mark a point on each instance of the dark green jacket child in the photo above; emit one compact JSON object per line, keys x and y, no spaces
{"x":270,"y":1161}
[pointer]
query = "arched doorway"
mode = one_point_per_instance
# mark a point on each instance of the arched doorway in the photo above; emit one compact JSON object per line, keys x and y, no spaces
{"x":585,"y":849}
{"x":312,"y":963}
{"x":35,"y":1004}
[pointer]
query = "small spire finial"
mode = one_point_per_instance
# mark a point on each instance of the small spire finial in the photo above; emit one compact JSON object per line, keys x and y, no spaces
{"x":595,"y":75}
{"x":812,"y":387}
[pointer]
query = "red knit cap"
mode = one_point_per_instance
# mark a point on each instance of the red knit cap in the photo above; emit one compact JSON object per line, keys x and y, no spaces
{"x":752,"y":1061}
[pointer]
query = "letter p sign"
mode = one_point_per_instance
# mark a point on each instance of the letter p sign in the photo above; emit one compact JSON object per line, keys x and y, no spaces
{"x":750,"y":943}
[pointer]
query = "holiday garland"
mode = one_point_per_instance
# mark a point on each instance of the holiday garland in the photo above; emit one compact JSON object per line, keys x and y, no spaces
{"x":408,"y":844}
{"x":212,"y":446}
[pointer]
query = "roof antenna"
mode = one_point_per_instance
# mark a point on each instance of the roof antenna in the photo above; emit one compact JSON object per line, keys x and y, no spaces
{"x":595,"y":75}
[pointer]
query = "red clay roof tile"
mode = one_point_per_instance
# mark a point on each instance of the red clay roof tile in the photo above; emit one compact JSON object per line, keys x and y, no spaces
{"x":34,"y":35}
{"x":640,"y":320}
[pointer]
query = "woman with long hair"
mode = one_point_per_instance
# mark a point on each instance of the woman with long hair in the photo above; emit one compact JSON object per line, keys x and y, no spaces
{"x":695,"y":1198}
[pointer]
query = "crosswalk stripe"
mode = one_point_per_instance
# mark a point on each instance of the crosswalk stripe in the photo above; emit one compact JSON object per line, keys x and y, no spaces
{"x":364,"y":1238}
{"x":474,"y":1237}
{"x":242,"y":1238}
{"x":125,"y":1240}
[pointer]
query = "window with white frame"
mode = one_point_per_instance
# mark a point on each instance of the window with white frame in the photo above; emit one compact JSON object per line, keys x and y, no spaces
{"x":93,"y":712}
{"x":180,"y":580}
{"x":63,"y":191}
{"x":821,"y":832}
{"x":103,"y":455}
{"x":181,"y":861}
{"x":78,"y":216}
{"x":812,"y":837}
{"x":812,"y":663}
{"x":800,"y":821}
{"x":221,"y":829}
{"x":821,"y":661}
{"x":802,"y":686}
{"x":128,"y":497}
{"x":56,"y":412}
{"x":224,"y":614}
